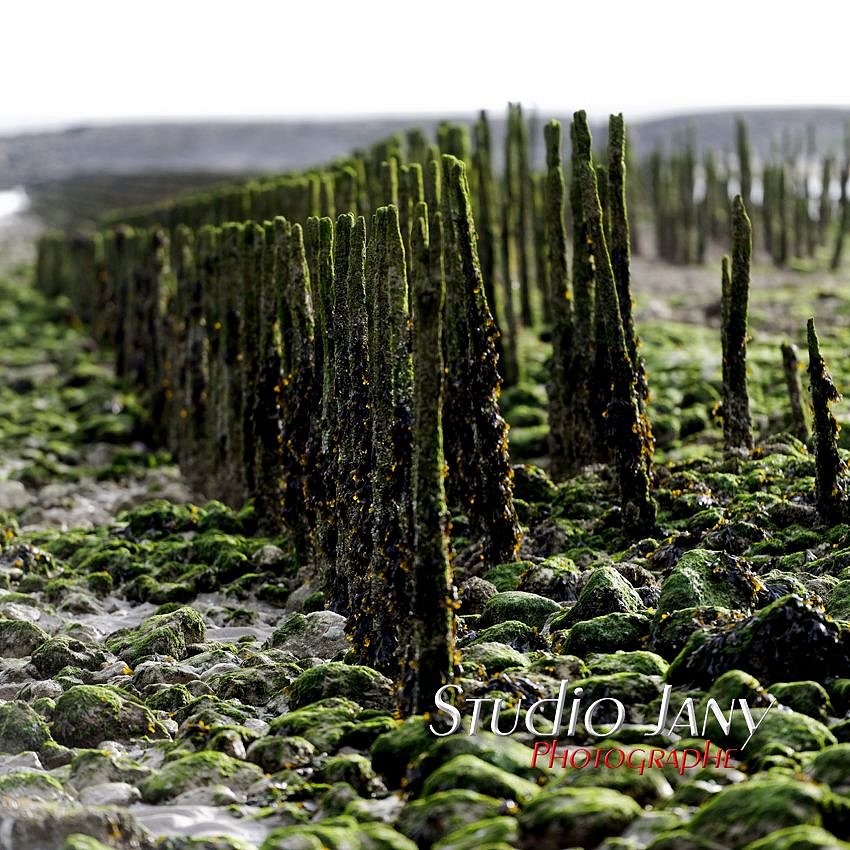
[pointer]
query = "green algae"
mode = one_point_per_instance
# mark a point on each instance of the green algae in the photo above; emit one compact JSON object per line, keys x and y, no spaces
{"x":196,"y":770}
{"x":85,"y":715}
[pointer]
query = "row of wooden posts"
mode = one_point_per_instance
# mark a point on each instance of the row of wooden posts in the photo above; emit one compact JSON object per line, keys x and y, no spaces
{"x":345,"y":373}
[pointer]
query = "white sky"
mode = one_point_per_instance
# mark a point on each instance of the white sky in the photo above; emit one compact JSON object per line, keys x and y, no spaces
{"x":106,"y":60}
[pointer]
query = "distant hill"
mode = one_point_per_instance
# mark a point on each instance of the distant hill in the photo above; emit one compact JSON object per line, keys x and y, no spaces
{"x":237,"y":148}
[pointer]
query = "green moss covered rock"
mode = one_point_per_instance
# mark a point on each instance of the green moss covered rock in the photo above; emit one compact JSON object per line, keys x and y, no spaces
{"x":639,"y":661}
{"x":832,"y":767}
{"x":62,"y":651}
{"x":21,"y":728}
{"x":19,"y":638}
{"x":320,"y":634}
{"x":528,"y":608}
{"x":575,"y":817}
{"x":605,"y":592}
{"x":85,"y":715}
{"x":350,"y":681}
{"x":506,"y":577}
{"x":274,"y":753}
{"x":29,"y":786}
{"x":195,"y":771}
{"x":428,"y":819}
{"x":323,"y":723}
{"x":492,"y":657}
{"x":799,"y":838}
{"x":608,"y":633}
{"x":787,"y":641}
{"x":515,"y":634}
{"x":670,"y":632}
{"x":473,"y":836}
{"x":78,"y":841}
{"x":162,"y":634}
{"x":744,"y":813}
{"x":393,"y":751}
{"x":469,"y":771}
{"x":705,"y":578}
{"x":804,"y":697}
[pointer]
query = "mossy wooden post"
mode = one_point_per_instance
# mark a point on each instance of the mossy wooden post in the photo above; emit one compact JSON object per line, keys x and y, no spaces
{"x":354,"y":539}
{"x":328,"y":200}
{"x":106,"y":319}
{"x":808,"y":223}
{"x":453,"y":139}
{"x":232,"y":421}
{"x":737,"y":426}
{"x":346,"y":189}
{"x":334,"y":411}
{"x":322,"y":486}
{"x":417,"y":146}
{"x":178,"y":366}
{"x":389,"y":181}
{"x":150,"y":345}
{"x":687,"y":183}
{"x":488,"y":249}
{"x":725,"y":301}
{"x":211,"y":276}
{"x":101,"y":293}
{"x":830,"y":470}
{"x":198,"y":382}
{"x":560,"y":388}
{"x":508,"y":255}
{"x":431,"y":657}
{"x":82,"y":286}
{"x":629,"y":430}
{"x":411,"y":192}
{"x":656,"y":190}
{"x":389,"y":355}
{"x":338,"y":584}
{"x":620,"y":248}
{"x":713,"y":197}
{"x":471,"y":369}
{"x":302,"y":391}
{"x":459,"y":438}
{"x":253,"y":237}
{"x":783,"y":236}
{"x":541,"y":256}
{"x":130,"y":246}
{"x":584,"y":428}
{"x":768,"y":207}
{"x":843,"y":217}
{"x":825,"y":203}
{"x":791,"y":369}
{"x":267,"y":426}
{"x":745,"y":170}
{"x":520,"y":194}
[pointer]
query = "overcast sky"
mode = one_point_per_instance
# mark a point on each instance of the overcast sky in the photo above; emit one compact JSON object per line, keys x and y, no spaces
{"x":72,"y":62}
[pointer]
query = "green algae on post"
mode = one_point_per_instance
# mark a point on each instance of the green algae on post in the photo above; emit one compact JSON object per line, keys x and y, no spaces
{"x":488,"y":239}
{"x":620,"y":244}
{"x":389,"y":359}
{"x":737,"y":426}
{"x":348,"y":591}
{"x":629,"y":430}
{"x":301,"y":394}
{"x":431,"y":660}
{"x":586,"y":448}
{"x":266,"y":425}
{"x":791,"y":369}
{"x":830,"y":469}
{"x":561,"y":386}
{"x":479,"y":443}
{"x":745,"y":169}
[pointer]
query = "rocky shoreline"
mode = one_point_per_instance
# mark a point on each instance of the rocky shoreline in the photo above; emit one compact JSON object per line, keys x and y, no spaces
{"x":170,"y":679}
